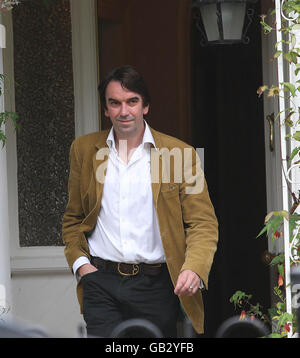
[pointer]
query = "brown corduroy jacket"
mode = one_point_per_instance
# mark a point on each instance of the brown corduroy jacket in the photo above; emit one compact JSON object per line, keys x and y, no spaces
{"x":187,"y":221}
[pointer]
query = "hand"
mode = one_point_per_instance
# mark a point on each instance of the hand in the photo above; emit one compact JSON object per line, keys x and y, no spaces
{"x":187,"y":279}
{"x":86,"y":268}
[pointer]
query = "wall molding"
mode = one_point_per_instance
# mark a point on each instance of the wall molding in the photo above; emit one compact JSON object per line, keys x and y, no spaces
{"x":39,"y":259}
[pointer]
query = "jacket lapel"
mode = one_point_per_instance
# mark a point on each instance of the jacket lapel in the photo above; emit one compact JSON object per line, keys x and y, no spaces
{"x":100,"y":158}
{"x":156,"y":166}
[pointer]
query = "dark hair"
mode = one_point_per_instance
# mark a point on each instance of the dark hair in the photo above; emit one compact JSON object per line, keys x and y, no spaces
{"x":130,"y":79}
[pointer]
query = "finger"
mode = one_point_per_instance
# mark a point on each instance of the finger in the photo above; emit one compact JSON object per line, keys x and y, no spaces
{"x":178,"y":287}
{"x":180,"y":283}
{"x":189,"y":289}
{"x":187,"y":283}
{"x":193,"y":290}
{"x":191,"y":286}
{"x":186,"y":288}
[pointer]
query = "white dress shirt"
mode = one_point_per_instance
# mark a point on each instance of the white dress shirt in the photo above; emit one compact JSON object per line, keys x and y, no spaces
{"x":127,"y":226}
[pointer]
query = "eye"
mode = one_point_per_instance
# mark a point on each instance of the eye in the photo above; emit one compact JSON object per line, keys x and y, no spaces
{"x":113,"y":103}
{"x":133,"y":101}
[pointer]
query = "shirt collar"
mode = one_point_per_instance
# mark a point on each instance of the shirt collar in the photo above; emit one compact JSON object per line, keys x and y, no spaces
{"x":110,"y":140}
{"x":147,"y":138}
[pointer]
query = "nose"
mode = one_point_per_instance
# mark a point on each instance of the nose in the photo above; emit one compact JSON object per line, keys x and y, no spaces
{"x":124,"y":110}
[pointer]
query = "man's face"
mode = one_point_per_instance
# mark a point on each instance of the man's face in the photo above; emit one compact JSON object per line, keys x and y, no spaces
{"x":125,"y":110}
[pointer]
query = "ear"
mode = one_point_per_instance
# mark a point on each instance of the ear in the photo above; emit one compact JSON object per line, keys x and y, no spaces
{"x":146,"y":109}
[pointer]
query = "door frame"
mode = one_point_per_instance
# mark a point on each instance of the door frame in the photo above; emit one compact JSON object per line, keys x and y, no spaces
{"x":272,"y":157}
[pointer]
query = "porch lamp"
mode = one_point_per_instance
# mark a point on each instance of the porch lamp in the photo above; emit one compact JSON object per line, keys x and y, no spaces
{"x":223,"y":21}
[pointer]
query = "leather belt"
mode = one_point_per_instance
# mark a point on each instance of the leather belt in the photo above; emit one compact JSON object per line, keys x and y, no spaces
{"x":126,"y":269}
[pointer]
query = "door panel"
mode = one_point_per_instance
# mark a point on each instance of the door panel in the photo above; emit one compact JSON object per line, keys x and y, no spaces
{"x":153,"y":36}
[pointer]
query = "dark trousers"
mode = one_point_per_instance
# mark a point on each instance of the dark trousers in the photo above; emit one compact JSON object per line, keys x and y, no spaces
{"x":110,"y":298}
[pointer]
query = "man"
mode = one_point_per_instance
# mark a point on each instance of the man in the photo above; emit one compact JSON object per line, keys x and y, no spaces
{"x":140,"y":234}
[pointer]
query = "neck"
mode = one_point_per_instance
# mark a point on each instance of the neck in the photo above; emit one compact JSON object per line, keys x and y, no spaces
{"x":126,"y":145}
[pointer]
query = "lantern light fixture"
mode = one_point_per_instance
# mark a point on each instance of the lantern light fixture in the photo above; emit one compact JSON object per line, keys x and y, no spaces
{"x":223,"y":21}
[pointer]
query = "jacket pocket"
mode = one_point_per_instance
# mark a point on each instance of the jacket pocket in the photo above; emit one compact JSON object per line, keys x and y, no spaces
{"x":169,"y":190}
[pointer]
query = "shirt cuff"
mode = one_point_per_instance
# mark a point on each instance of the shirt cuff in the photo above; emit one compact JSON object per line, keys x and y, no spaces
{"x":82,"y":260}
{"x":201,"y":285}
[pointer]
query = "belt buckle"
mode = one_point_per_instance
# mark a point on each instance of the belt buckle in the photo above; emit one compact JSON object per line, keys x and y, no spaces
{"x":135,"y":270}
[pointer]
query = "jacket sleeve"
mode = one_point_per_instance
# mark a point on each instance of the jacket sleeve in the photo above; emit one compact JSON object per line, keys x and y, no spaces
{"x":200,"y":222}
{"x":72,"y":237}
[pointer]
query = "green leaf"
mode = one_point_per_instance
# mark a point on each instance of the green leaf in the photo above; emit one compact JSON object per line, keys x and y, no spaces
{"x":281,"y":214}
{"x":294,"y":56}
{"x":268,"y":217}
{"x":4,"y":117}
{"x":291,"y":6}
{"x":274,"y":335}
{"x":297,"y":70}
{"x":261,"y":90}
{"x":294,"y":153}
{"x":288,"y":57}
{"x":267,"y":28}
{"x":284,"y":318}
{"x":264,"y":229}
{"x":2,"y":138}
{"x":276,"y":222}
{"x":281,"y":269}
{"x":277,"y":260}
{"x":285,"y":214}
{"x":273,"y":221}
{"x":289,"y":87}
{"x":296,"y":136}
{"x":288,"y":121}
{"x":272,"y":312}
{"x":277,"y":54}
{"x":239,"y":296}
{"x":280,"y":306}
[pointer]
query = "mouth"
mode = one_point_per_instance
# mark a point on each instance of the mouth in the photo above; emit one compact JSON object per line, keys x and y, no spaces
{"x":125,"y":120}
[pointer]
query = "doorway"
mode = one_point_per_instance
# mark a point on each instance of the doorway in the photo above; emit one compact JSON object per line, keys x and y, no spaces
{"x":207,"y":97}
{"x":228,"y":121}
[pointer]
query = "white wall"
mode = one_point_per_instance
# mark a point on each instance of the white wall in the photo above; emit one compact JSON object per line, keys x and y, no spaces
{"x":47,"y":300}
